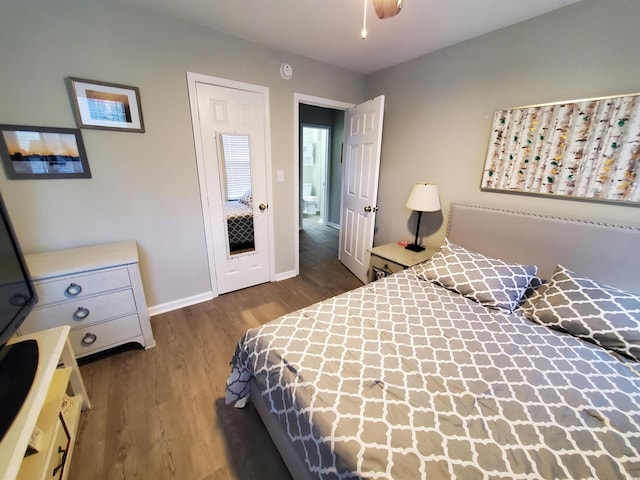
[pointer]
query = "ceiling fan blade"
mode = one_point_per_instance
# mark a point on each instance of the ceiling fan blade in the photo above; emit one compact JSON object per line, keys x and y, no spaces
{"x":387,"y":8}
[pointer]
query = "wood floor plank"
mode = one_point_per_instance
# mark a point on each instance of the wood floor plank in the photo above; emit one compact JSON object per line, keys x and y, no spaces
{"x":160,"y":414}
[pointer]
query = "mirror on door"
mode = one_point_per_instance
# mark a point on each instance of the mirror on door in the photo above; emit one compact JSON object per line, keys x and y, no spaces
{"x":235,"y":175}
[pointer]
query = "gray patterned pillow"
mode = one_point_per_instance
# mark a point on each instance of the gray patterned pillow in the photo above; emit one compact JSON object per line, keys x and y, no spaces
{"x":489,"y":281}
{"x":604,"y":315}
{"x":247,"y":198}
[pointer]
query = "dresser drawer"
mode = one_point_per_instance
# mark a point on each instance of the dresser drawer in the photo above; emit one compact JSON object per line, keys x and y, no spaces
{"x":78,"y":286}
{"x":81,"y":312}
{"x":381,"y":267}
{"x":386,"y":265}
{"x":94,"y":338}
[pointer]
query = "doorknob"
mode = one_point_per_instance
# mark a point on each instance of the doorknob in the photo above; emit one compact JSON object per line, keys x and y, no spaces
{"x":368,"y":208}
{"x":262,"y":207}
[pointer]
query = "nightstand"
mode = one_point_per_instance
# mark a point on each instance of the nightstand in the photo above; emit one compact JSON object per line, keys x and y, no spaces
{"x":392,"y":258}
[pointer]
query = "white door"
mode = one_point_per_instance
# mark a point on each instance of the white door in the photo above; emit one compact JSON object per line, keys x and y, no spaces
{"x":363,"y":132}
{"x":232,"y":136}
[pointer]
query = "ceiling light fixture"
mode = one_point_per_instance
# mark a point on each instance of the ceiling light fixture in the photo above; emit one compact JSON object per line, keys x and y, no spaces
{"x":383,"y":9}
{"x":387,"y":8}
{"x":363,"y":34}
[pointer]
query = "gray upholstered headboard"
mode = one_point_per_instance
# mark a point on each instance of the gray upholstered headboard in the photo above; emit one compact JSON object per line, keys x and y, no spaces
{"x":609,"y":254}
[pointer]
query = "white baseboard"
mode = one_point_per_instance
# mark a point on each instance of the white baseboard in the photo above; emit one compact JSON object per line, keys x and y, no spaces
{"x":180,"y":303}
{"x":284,"y":275}
{"x":203,"y":297}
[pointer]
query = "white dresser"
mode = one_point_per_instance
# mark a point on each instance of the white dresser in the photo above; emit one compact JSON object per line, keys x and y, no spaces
{"x":96,"y":291}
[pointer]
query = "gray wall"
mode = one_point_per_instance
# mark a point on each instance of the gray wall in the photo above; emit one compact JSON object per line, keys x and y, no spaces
{"x":335,"y":169}
{"x":144,"y":186}
{"x":439,"y":108}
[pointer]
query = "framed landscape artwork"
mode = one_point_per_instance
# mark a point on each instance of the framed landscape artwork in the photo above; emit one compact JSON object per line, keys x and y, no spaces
{"x":42,"y":152}
{"x":581,"y":150}
{"x":106,"y":105}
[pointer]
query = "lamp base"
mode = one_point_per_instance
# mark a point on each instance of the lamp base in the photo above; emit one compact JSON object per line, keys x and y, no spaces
{"x":414,"y":247}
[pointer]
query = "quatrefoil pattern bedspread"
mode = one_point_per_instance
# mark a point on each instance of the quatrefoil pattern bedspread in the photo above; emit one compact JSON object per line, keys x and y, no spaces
{"x":403,"y":379}
{"x":239,"y":223}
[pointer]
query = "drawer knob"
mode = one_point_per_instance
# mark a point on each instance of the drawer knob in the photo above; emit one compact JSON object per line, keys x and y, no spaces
{"x":89,"y":339}
{"x":81,"y":313}
{"x":74,"y":289}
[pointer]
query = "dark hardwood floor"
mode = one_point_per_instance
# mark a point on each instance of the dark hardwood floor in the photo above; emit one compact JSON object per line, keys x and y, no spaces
{"x":160,"y":414}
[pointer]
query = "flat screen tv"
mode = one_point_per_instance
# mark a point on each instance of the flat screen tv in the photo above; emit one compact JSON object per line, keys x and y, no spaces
{"x":19,"y":361}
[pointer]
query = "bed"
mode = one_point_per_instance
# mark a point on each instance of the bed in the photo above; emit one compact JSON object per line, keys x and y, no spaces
{"x":512,"y":353}
{"x":239,"y":215}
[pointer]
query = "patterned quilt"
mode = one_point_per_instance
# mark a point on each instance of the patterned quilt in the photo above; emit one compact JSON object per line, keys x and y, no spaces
{"x":239,"y":225}
{"x":403,"y":379}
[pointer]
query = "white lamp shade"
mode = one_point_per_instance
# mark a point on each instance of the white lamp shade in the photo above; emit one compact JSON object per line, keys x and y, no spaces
{"x":424,"y":198}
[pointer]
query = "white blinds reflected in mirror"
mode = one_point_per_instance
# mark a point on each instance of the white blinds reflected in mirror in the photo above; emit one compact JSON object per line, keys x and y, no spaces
{"x":235,"y":175}
{"x":236,"y":164}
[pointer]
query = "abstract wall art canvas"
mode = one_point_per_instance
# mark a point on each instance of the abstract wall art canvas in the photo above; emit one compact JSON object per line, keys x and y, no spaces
{"x":583,"y":150}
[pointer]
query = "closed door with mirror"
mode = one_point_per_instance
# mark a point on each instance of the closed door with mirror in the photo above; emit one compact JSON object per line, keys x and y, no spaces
{"x":232,"y":135}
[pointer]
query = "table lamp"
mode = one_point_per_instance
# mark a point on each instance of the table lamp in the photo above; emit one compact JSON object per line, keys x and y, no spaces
{"x":423,"y":198}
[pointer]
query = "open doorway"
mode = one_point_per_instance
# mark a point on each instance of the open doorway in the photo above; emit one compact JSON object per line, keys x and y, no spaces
{"x":327,"y":116}
{"x":362,"y":139}
{"x":321,"y":133}
{"x":320,"y":164}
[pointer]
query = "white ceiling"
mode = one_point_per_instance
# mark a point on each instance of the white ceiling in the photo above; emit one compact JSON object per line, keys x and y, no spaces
{"x":329,"y":30}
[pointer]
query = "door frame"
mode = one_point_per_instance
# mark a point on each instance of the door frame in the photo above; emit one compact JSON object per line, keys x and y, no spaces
{"x":192,"y":80}
{"x":299,"y":98}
